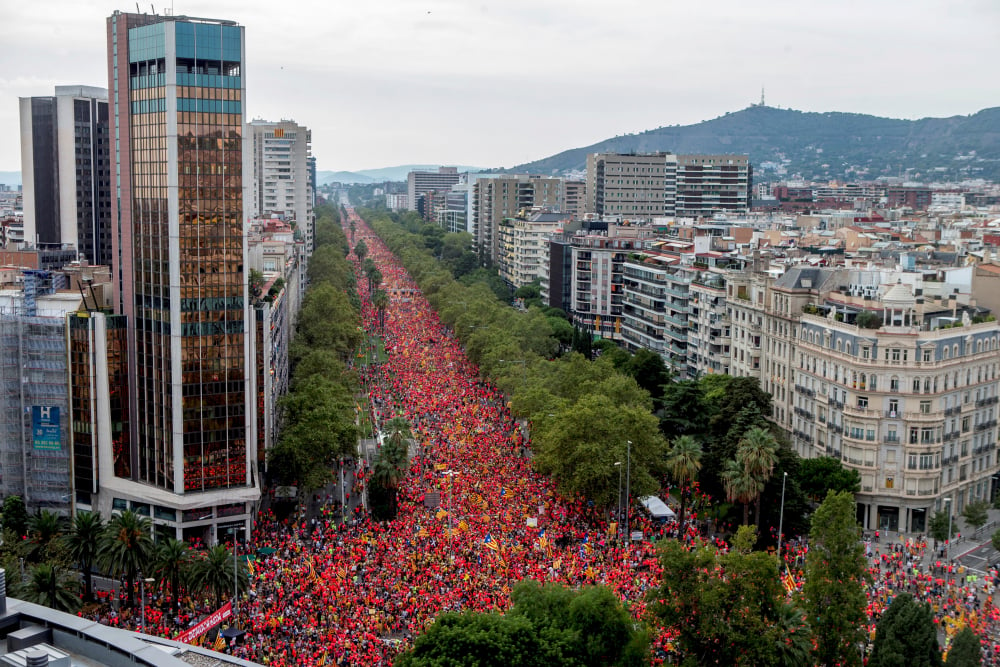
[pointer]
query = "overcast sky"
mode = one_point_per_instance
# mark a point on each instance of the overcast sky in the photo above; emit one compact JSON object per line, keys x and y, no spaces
{"x":391,"y":82}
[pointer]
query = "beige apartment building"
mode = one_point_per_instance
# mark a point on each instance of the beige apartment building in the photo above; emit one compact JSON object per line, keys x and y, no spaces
{"x":497,"y":198}
{"x":910,"y":402}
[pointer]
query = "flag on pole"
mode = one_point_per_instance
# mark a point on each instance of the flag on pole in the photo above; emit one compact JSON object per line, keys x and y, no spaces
{"x":220,"y":642}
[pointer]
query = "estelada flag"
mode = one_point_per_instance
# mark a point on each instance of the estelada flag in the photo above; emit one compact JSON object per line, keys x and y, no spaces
{"x":490,"y":543}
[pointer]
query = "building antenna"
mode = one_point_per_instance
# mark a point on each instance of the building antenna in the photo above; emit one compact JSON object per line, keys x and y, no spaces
{"x":137,"y":10}
{"x":762,"y":96}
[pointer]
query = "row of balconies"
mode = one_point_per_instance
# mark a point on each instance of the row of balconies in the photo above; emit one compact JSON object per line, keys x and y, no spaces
{"x":985,"y":425}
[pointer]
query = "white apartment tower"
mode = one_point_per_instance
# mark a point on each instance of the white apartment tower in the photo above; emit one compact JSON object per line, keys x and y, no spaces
{"x":282,"y":186}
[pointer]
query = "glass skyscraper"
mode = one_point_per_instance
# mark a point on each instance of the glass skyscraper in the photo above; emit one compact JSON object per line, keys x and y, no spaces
{"x":176,"y":93}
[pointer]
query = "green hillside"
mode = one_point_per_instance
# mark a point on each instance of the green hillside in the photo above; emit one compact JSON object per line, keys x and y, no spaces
{"x":821,"y":145}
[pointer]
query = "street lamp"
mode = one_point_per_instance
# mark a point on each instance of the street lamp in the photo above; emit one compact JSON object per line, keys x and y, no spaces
{"x":628,"y":490}
{"x":948,"y":543}
{"x":618,"y":516}
{"x":781,"y":517}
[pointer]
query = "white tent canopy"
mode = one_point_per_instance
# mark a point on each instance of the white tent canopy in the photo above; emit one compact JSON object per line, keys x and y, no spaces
{"x":657,"y":508}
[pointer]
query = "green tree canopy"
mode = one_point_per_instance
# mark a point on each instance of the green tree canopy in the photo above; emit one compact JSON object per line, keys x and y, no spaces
{"x":52,"y":586}
{"x":15,"y":515}
{"x":548,"y":626}
{"x":726,"y":607}
{"x":906,"y":636}
{"x":976,"y":513}
{"x":822,"y":474}
{"x":126,"y":548}
{"x":966,"y":649}
{"x":836,"y":571}
{"x":82,"y":545}
{"x":683,"y":462}
{"x":938,"y":526}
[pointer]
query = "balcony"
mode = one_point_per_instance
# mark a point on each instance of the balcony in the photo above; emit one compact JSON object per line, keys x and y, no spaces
{"x":986,"y":425}
{"x":952,"y":411}
{"x":986,"y":401}
{"x":803,"y":390}
{"x":834,"y":403}
{"x":953,"y":435}
{"x":891,"y":439}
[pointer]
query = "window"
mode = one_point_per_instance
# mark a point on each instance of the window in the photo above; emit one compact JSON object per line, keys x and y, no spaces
{"x":925,"y":407}
{"x":928,"y":355}
{"x":894,"y":383}
{"x":866,"y":352}
{"x":965,"y":424}
{"x":893,"y":407}
{"x":889,"y":482}
{"x":895,"y":354}
{"x":862,"y":401}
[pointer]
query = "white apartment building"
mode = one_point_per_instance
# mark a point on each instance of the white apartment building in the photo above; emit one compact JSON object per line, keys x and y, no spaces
{"x":524,"y":247}
{"x":282,"y":185}
{"x":644,"y":302}
{"x":709,"y":329}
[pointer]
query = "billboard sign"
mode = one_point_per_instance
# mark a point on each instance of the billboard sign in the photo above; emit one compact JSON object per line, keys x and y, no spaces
{"x":45,"y":431}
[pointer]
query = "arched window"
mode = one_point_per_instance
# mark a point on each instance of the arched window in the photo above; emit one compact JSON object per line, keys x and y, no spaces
{"x":947,"y":352}
{"x":839,"y":345}
{"x":847,"y":348}
{"x":979,"y":346}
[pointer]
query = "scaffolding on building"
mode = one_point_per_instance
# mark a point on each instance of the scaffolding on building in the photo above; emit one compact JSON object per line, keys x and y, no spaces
{"x":33,"y":374}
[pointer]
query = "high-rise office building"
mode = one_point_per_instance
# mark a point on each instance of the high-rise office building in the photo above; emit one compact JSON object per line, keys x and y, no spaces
{"x":180,"y":172}
{"x":425,"y":182}
{"x":65,"y":167}
{"x":283,"y":175}
{"x":642,"y":186}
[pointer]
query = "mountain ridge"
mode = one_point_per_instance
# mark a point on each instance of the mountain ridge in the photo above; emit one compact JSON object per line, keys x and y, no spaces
{"x":818,"y":145}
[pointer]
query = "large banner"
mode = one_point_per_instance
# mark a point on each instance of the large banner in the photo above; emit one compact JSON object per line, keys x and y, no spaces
{"x":210,"y":621}
{"x":45,"y":431}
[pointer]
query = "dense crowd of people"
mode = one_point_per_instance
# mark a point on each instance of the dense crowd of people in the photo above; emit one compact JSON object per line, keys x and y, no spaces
{"x":474,"y":519}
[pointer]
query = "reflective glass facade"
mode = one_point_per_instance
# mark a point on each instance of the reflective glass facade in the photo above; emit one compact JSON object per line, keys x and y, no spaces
{"x":179,"y":140}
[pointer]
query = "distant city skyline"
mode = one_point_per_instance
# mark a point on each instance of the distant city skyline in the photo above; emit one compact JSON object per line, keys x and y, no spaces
{"x":443,"y":81}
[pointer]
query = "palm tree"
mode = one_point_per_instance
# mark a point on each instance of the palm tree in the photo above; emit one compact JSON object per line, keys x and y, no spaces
{"x":380,"y":300}
{"x":43,"y":527}
{"x":214,"y":572}
{"x":126,"y":548}
{"x":81,"y":543}
{"x":684,"y":462}
{"x":740,"y":486}
{"x":758,"y":452}
{"x":397,"y":441}
{"x":51,"y":586}
{"x":173,"y":564}
{"x":794,"y":637}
